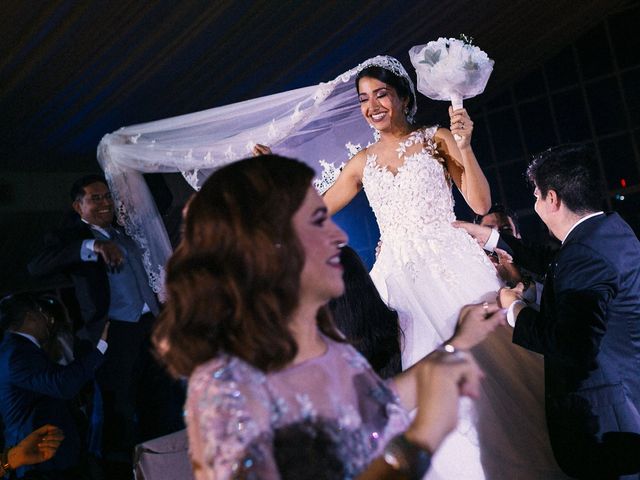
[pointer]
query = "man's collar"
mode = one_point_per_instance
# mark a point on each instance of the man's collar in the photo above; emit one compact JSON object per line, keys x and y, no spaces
{"x":582,"y":219}
{"x":28,"y":337}
{"x":102,"y":230}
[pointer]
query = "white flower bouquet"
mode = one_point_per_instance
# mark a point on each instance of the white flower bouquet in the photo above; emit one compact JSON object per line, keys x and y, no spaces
{"x":451,"y":69}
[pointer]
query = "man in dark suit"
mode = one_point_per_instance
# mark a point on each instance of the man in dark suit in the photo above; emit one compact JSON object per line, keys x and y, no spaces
{"x":34,"y":391}
{"x":588,"y":326}
{"x":110,"y":282}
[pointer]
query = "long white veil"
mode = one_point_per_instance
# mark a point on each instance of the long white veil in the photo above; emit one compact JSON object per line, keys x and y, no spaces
{"x":320,"y":125}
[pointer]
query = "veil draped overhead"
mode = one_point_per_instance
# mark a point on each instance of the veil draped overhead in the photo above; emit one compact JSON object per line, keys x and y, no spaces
{"x":320,"y":125}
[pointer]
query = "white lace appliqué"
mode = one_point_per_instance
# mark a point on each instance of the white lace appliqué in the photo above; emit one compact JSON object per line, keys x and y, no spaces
{"x":414,"y":210}
{"x":328,"y":177}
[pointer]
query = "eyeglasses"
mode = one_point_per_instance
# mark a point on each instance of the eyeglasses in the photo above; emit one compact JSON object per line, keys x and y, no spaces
{"x":95,"y":198}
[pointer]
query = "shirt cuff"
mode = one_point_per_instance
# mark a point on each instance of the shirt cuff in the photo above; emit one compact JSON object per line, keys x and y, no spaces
{"x":511,"y":318}
{"x":102,"y":346}
{"x":492,"y":241}
{"x":86,"y":251}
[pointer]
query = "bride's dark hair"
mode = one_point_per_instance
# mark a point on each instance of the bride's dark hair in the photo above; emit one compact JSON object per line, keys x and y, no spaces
{"x":234,"y":279}
{"x":365,"y":319}
{"x":400,"y":84}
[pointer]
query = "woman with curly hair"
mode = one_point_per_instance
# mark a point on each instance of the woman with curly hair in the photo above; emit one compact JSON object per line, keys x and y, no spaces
{"x":274,"y":390}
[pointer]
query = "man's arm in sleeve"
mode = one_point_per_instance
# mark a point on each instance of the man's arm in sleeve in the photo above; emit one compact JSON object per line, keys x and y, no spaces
{"x":534,"y":257}
{"x":60,"y":253}
{"x":583,"y":283}
{"x":31,"y":373}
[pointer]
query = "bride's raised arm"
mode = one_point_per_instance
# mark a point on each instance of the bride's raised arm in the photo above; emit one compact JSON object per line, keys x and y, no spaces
{"x":347,"y":185}
{"x":461,"y":161}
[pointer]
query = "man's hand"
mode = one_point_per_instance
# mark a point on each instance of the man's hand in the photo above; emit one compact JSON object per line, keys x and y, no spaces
{"x":105,"y":331}
{"x":506,"y":296}
{"x":479,"y":232}
{"x":506,"y":268}
{"x":259,"y":149}
{"x":110,"y":253}
{"x":475,"y":323}
{"x":39,"y":446}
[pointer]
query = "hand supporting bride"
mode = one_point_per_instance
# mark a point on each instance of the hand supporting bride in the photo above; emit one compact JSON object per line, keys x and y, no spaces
{"x":259,"y":149}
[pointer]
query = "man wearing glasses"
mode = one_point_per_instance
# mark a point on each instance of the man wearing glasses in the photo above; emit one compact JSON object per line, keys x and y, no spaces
{"x":105,"y":265}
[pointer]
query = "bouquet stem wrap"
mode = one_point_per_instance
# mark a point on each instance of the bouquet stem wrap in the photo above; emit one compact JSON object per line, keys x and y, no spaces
{"x":451,"y":70}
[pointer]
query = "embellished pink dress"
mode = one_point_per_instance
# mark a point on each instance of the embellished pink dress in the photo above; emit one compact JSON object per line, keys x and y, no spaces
{"x":325,"y":418}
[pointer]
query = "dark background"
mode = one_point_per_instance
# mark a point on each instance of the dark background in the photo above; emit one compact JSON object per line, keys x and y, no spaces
{"x":71,"y":72}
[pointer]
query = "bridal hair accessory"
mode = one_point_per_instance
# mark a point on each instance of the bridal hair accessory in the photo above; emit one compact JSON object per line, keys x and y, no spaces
{"x":394,"y":66}
{"x":451,"y":69}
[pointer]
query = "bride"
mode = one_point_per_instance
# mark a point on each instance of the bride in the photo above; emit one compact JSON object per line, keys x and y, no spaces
{"x":407,"y":176}
{"x":427,"y":270}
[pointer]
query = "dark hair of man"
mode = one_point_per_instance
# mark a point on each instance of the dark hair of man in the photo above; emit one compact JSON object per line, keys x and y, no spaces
{"x":570,"y":172}
{"x":14,"y":308}
{"x":234,"y":279}
{"x":55,"y":308}
{"x":369,"y":325}
{"x":77,"y":189}
{"x":400,"y":84}
{"x":502,"y":212}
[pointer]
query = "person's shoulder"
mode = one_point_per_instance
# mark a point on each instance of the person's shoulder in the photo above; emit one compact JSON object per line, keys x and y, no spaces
{"x":359,"y":158}
{"x":437,"y":132}
{"x":355,"y":166}
{"x":431,"y":130}
{"x":614,"y":219}
{"x":345,"y":352}
{"x":11,"y":341}
{"x":16,"y":350}
{"x":613,"y":237}
{"x":7,"y":345}
{"x":71,"y":228}
{"x":600,"y":228}
{"x":223,"y":370}
{"x":441,"y":137}
{"x":224,"y":385}
{"x":582,"y":261}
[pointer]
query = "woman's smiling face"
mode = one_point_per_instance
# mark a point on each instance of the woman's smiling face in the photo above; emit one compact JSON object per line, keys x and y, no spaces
{"x":380,"y":104}
{"x":321,"y":240}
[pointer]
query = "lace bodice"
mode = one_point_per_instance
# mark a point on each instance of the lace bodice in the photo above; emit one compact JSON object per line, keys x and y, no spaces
{"x":416,"y":197}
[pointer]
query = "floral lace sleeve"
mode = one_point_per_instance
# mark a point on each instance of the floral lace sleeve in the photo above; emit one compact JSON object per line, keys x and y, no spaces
{"x":228,"y":422}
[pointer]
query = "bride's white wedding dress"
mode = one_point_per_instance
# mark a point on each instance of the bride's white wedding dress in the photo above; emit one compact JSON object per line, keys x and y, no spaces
{"x":427,"y":270}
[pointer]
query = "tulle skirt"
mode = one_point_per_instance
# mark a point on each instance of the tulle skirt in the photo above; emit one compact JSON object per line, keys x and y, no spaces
{"x":502,"y":435}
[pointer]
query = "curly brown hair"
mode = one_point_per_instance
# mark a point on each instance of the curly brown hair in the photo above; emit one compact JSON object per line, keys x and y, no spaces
{"x":234,"y":280}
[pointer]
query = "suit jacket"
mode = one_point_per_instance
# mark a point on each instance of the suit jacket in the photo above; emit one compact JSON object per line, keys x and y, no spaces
{"x":588,"y":330}
{"x":34,"y":391}
{"x":62,"y":254}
